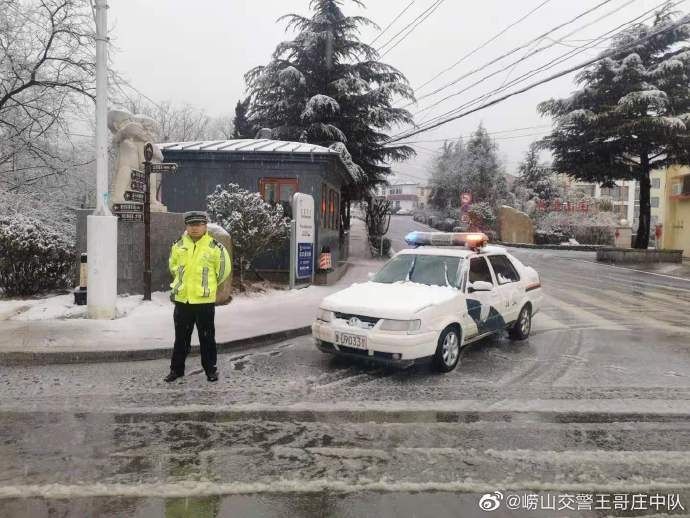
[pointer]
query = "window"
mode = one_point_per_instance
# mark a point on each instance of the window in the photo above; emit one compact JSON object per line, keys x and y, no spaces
{"x":432,"y":270}
{"x":504,"y":269}
{"x":479,"y":270}
{"x":279,"y":190}
{"x":654,"y":201}
{"x":656,"y":183}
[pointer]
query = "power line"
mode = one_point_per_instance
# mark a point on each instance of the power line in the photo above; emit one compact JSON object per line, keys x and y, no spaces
{"x":547,"y":66}
{"x":390,"y":24}
{"x":560,"y":59}
{"x":524,"y":58}
{"x":453,"y":139}
{"x":511,"y":52}
{"x":480,"y":47}
{"x":423,"y":15}
{"x":685,"y":19}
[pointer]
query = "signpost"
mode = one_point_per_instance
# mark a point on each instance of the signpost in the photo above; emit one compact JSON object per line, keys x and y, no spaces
{"x":138,"y":208}
{"x":465,"y":198}
{"x":302,"y":238}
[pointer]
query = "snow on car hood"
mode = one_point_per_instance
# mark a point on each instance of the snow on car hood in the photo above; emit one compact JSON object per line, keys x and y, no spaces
{"x":400,"y":300}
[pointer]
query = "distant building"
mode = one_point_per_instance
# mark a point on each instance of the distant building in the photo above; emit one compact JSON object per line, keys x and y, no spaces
{"x":402,"y":195}
{"x":423,"y":195}
{"x":622,"y":195}
{"x":676,"y":209}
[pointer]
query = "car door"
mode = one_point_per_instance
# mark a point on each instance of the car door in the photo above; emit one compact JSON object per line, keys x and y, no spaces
{"x":509,"y":287}
{"x":482,"y":306}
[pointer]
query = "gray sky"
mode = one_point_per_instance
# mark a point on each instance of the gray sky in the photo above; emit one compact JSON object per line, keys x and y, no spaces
{"x":197,"y":52}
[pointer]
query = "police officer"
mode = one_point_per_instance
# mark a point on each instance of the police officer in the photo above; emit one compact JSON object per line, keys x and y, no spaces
{"x":198,"y":264}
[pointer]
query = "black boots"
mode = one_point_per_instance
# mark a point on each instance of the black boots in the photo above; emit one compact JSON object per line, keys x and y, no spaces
{"x":172,"y":376}
{"x":211,"y":376}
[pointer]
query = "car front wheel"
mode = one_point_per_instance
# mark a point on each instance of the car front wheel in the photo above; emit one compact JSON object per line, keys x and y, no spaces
{"x":448,"y":350}
{"x":523,"y":325}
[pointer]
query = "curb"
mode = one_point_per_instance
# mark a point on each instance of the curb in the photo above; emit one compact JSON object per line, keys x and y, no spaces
{"x":75,"y":357}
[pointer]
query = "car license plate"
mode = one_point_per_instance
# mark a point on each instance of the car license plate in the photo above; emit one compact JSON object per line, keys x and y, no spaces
{"x":349,"y":340}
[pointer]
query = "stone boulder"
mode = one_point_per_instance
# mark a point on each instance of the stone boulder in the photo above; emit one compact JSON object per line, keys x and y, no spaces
{"x":515,"y":226}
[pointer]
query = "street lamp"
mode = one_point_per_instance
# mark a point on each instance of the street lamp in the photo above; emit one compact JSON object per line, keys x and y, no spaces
{"x":101,"y":226}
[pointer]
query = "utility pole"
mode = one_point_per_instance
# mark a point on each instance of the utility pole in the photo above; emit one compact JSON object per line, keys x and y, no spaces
{"x":101,"y":233}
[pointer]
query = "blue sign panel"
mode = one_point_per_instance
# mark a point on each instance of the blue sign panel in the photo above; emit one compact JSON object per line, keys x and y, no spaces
{"x":305,"y":259}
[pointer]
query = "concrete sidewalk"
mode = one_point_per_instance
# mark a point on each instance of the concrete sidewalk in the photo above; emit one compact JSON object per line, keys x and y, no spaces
{"x":146,"y":331}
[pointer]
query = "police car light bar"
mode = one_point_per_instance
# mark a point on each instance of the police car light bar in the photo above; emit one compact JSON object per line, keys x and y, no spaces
{"x":471,"y":240}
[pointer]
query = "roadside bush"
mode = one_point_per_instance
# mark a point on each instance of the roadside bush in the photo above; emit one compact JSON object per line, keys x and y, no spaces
{"x":552,"y":236}
{"x":594,"y":235}
{"x":34,"y":257}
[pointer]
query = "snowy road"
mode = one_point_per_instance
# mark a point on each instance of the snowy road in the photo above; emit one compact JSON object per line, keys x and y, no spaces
{"x":597,"y":400}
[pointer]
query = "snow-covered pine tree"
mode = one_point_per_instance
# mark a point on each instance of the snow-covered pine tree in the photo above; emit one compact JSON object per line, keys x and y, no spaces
{"x":327,"y":86}
{"x":472,"y":167}
{"x":255,"y":226}
{"x":445,"y":174}
{"x":535,"y":177}
{"x":632,"y":113}
{"x":484,"y":173}
{"x":243,"y":128}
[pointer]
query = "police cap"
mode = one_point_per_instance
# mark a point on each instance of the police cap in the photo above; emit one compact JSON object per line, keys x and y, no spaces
{"x":195,"y":216}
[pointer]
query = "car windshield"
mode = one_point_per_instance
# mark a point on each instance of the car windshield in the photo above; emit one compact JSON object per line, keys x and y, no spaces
{"x":433,"y":270}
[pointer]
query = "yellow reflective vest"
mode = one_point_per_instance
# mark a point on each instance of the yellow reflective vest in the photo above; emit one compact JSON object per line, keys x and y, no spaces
{"x":197,"y":269}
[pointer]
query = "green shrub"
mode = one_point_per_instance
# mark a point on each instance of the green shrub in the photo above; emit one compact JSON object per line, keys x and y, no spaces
{"x":34,"y":257}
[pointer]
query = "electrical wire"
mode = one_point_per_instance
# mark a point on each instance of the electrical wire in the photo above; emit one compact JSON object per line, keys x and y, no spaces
{"x":684,"y":20}
{"x":511,"y":52}
{"x":524,"y":58}
{"x":560,"y":59}
{"x":391,"y":23}
{"x":487,"y":42}
{"x":423,"y":15}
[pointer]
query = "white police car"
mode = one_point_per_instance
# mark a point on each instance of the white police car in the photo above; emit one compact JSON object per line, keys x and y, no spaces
{"x":429,"y":301}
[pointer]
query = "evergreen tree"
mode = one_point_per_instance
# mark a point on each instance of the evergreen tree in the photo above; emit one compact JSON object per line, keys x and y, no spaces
{"x":473,"y":167}
{"x":446,"y":175}
{"x":535,"y":177}
{"x":484,"y":176}
{"x":326,"y":86}
{"x":632,"y":113}
{"x":243,"y":127}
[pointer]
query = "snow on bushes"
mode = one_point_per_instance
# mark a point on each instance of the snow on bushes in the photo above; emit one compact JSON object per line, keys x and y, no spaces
{"x":34,"y":257}
{"x":256,"y":227}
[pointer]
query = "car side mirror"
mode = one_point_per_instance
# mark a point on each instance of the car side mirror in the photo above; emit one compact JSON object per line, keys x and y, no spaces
{"x":480,"y":286}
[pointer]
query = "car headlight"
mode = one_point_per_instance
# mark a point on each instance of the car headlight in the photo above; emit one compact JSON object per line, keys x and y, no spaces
{"x":400,"y":325}
{"x":324,"y":315}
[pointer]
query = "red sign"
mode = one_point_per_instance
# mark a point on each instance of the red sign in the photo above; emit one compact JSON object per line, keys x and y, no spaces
{"x":465,"y":198}
{"x":562,"y":206}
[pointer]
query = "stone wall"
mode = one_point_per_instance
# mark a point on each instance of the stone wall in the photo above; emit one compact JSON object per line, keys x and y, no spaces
{"x":634,"y":255}
{"x":515,"y":226}
{"x":166,"y":228}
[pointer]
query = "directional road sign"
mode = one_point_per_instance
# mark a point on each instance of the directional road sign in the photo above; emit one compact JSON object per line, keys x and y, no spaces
{"x":165,"y":167}
{"x":138,"y":197}
{"x":130,"y":216}
{"x":128,"y":207}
